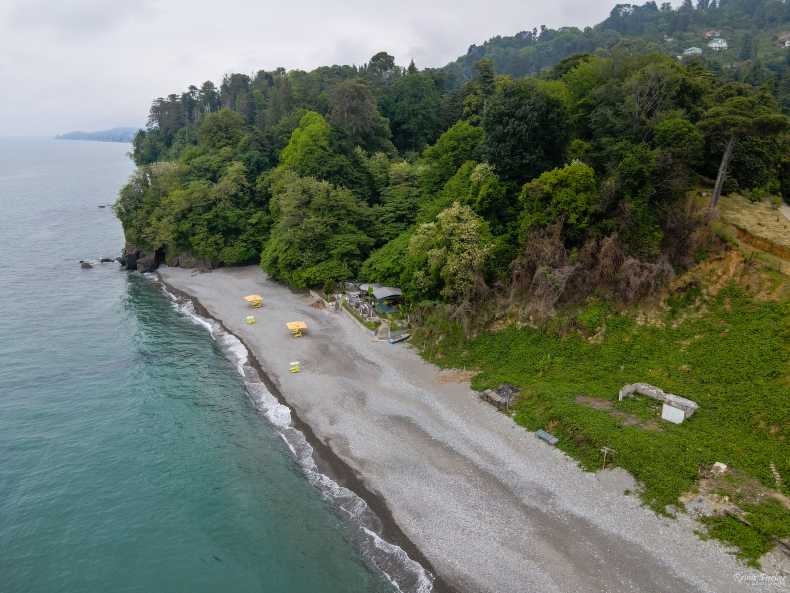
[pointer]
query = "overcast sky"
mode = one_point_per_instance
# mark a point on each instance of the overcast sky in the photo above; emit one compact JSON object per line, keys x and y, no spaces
{"x":93,"y":64}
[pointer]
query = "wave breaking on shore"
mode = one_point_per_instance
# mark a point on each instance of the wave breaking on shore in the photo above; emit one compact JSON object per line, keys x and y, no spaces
{"x":405,"y":574}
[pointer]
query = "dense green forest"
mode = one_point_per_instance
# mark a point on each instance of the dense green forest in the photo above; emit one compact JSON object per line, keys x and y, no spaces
{"x":456,"y":182}
{"x":755,"y":32}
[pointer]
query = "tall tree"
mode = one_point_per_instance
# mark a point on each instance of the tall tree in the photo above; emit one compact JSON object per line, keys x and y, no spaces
{"x":354,"y":115}
{"x":320,"y":232}
{"x":451,"y":254}
{"x":737,"y":117}
{"x":413,"y":107}
{"x":220,"y":129}
{"x":380,"y":69}
{"x":458,"y":144}
{"x":526,"y":130}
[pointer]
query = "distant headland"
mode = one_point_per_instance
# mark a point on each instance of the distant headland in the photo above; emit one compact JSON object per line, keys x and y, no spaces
{"x":111,"y":135}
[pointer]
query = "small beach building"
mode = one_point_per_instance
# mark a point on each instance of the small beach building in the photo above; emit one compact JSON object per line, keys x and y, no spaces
{"x":385,"y":299}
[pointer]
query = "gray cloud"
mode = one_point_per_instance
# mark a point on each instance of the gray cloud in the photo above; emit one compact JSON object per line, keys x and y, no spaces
{"x":89,"y":64}
{"x":77,"y":18}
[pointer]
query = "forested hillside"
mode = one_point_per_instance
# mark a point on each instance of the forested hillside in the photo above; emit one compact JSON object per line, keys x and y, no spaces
{"x":545,"y":188}
{"x":523,"y":197}
{"x":755,"y":33}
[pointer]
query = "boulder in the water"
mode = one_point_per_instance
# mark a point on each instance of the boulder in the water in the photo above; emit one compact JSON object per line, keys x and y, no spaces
{"x":85,"y":265}
{"x":107,"y":260}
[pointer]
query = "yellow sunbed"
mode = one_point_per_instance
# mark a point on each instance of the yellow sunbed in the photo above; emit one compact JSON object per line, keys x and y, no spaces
{"x":297,"y":328}
{"x":255,"y":300}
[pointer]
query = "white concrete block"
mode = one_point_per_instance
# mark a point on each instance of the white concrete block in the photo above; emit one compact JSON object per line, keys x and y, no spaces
{"x":672,"y":414}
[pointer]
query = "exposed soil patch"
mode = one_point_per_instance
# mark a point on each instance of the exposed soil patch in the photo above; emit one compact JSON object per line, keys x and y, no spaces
{"x":715,"y":274}
{"x":624,"y":417}
{"x":456,"y":375}
{"x":759,"y":219}
{"x":734,"y":485}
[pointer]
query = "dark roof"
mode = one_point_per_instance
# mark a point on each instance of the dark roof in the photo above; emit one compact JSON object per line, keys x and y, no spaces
{"x":385,"y":292}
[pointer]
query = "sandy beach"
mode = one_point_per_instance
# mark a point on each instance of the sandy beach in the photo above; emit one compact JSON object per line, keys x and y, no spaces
{"x":490,"y":507}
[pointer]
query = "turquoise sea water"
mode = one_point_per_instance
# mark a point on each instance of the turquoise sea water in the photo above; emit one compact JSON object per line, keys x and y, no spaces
{"x":131,"y":456}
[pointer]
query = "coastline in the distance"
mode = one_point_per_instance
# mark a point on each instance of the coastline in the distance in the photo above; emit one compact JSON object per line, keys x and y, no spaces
{"x":121,"y":134}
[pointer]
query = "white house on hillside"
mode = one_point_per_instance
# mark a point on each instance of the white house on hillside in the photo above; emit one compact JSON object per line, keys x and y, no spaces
{"x":718,"y":44}
{"x":692,"y":51}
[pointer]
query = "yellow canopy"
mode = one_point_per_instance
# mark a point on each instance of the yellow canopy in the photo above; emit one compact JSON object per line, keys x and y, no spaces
{"x":255,"y":300}
{"x":296,"y":325}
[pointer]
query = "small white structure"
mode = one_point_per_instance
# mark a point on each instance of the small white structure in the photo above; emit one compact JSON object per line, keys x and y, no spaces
{"x":672,"y":414}
{"x":712,"y":33}
{"x":676,"y":409}
{"x":692,"y":51}
{"x":718,"y":44}
{"x":787,"y":42}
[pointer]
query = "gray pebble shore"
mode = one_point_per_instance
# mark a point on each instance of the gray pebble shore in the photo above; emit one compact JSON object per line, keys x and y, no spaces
{"x":494,"y":509}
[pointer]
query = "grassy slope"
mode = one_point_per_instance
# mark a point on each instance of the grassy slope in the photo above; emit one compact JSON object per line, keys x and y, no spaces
{"x":733,"y":359}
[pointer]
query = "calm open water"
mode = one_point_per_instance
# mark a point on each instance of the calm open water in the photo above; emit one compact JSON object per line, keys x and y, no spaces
{"x":131,"y":457}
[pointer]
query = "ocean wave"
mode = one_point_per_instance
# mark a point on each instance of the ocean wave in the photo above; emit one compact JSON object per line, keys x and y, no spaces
{"x":403,"y":573}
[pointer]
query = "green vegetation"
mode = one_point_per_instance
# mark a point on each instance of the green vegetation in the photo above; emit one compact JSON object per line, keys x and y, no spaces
{"x":598,"y":150}
{"x":755,"y":535}
{"x":540,"y":173}
{"x":318,"y":235}
{"x":732,"y":356}
{"x":753,"y":29}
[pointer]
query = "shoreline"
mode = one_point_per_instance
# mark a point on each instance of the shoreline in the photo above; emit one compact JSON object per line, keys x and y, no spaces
{"x":327,"y":461}
{"x":477,"y":500}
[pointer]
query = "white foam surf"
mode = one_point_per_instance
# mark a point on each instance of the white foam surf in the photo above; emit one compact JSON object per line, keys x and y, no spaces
{"x":405,"y":574}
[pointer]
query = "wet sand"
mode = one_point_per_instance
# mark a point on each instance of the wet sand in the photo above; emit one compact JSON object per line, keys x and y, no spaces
{"x":492,"y":508}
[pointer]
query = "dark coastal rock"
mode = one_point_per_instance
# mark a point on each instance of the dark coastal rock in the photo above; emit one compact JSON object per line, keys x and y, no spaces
{"x":186,"y":260}
{"x":134,"y":258}
{"x":107,"y":260}
{"x":85,"y":265}
{"x":147,"y":263}
{"x":129,"y":259}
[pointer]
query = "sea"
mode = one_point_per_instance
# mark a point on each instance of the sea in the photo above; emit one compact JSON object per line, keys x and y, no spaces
{"x":139,"y":450}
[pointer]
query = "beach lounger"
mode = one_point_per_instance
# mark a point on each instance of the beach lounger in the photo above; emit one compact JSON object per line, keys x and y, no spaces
{"x":297,"y":328}
{"x":254,"y":300}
